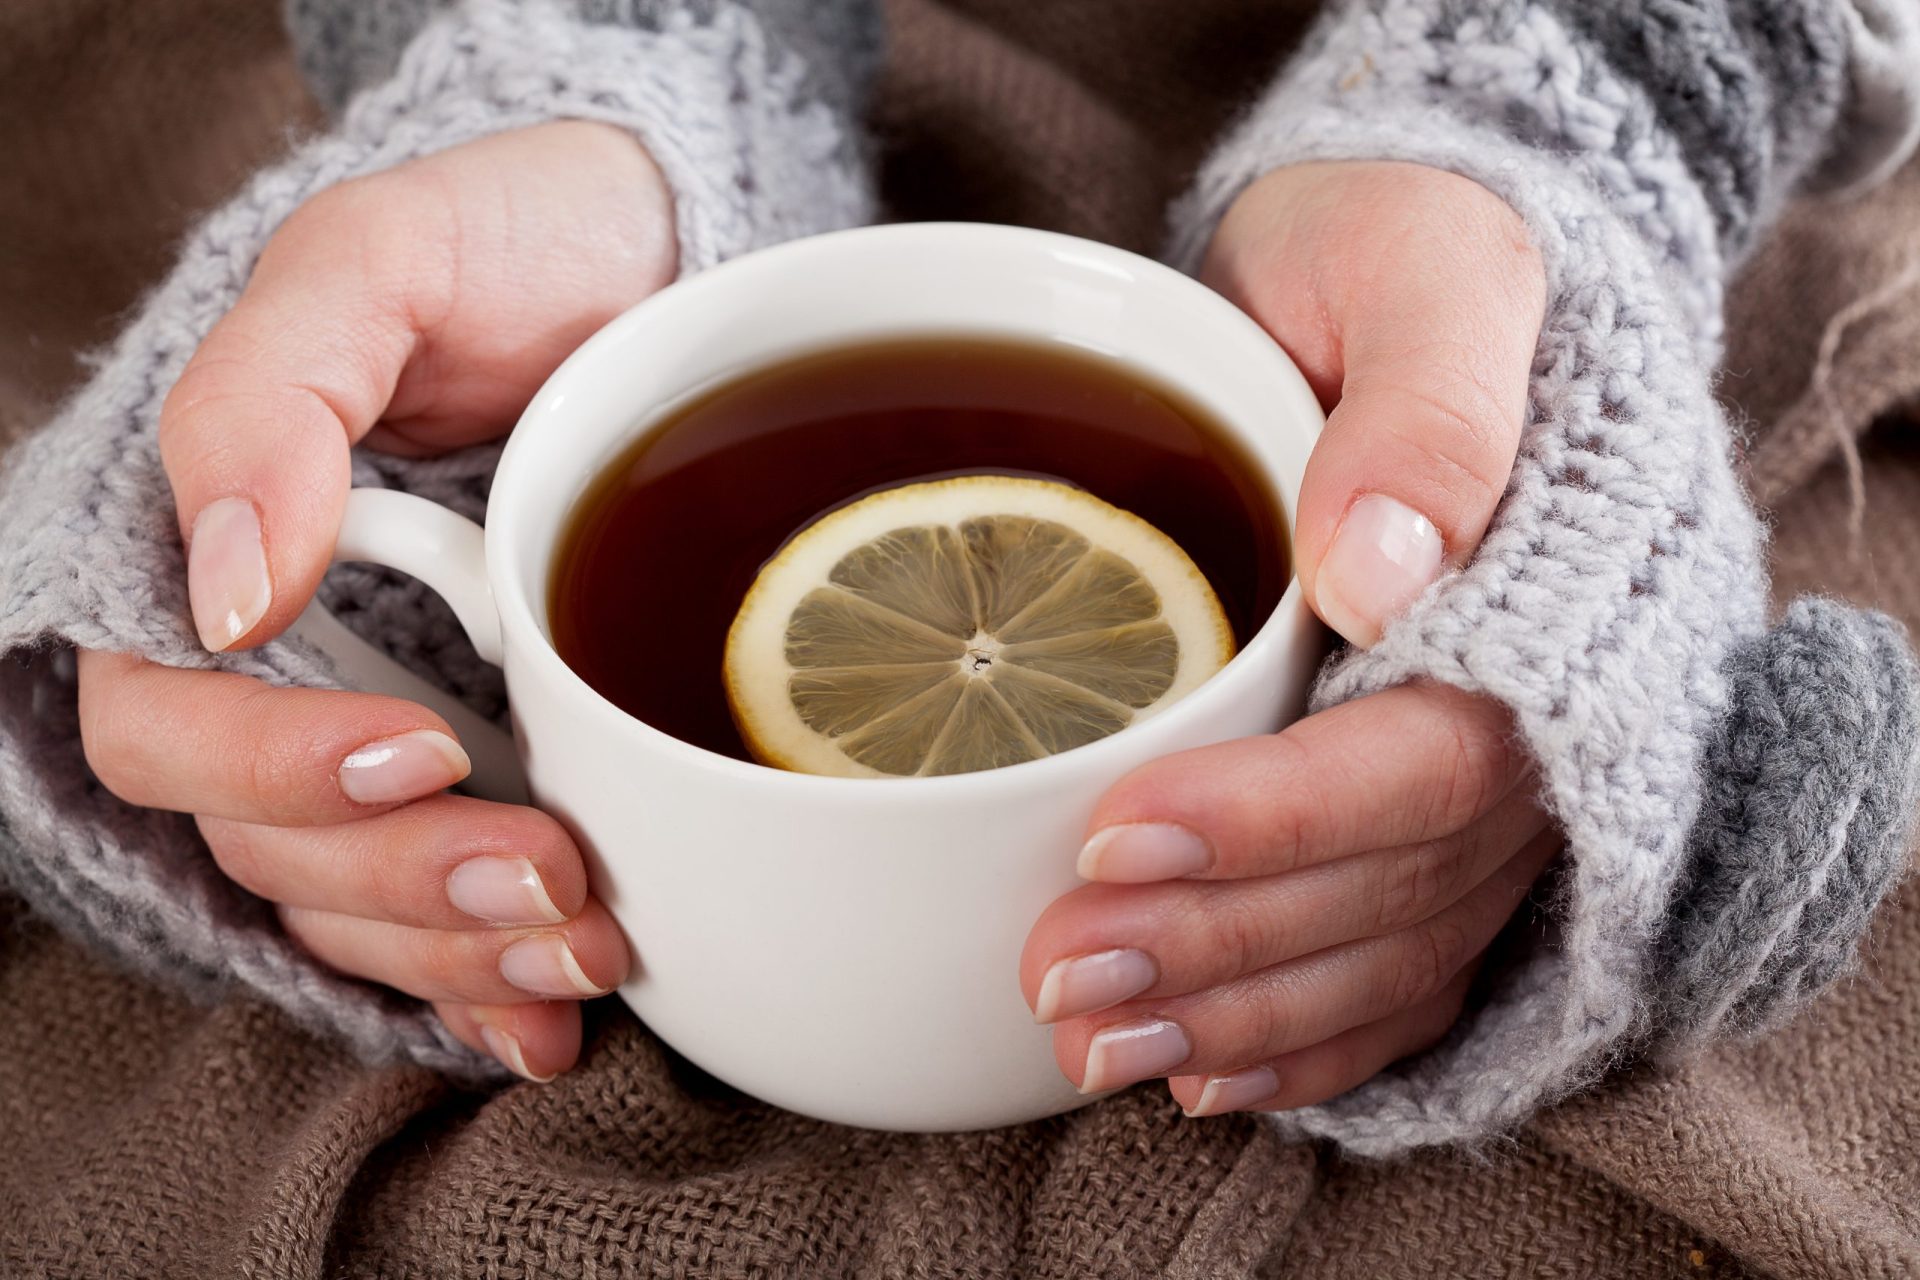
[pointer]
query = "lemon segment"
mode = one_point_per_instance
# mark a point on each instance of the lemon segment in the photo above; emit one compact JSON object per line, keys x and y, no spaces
{"x":966,"y":624}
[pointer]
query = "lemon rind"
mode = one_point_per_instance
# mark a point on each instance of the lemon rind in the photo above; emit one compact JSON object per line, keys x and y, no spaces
{"x":768,"y":722}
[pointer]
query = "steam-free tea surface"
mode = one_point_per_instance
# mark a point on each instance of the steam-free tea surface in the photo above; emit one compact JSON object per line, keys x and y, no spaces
{"x":662,"y":548}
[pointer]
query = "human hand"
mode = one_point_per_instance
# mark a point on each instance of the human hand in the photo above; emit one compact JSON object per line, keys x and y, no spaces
{"x":1273,"y":921}
{"x":414,"y":310}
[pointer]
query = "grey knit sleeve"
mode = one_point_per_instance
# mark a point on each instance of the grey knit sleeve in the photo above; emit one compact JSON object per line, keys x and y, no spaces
{"x":746,"y":105}
{"x":1735,"y":800}
{"x":756,"y":133}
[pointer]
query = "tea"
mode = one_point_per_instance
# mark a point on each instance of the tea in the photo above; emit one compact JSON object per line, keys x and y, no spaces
{"x":660,"y":550}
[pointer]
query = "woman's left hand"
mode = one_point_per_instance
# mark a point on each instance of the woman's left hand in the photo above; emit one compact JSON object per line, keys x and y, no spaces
{"x":1273,"y":921}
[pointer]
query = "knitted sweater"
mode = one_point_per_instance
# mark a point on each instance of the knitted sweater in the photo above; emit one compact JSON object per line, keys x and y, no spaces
{"x":1616,"y":604}
{"x":1735,"y":801}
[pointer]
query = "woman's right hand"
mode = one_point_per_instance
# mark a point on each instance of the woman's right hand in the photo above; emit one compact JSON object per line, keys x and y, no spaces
{"x":415,"y":311}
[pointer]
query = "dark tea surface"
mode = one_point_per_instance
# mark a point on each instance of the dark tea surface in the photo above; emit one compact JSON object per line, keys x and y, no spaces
{"x":661,"y":549}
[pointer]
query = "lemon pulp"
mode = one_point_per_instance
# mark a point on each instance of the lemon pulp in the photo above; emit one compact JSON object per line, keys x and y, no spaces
{"x":966,"y":624}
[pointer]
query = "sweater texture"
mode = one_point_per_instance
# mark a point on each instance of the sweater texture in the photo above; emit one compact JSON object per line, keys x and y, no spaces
{"x":1617,"y":605}
{"x":92,"y":553}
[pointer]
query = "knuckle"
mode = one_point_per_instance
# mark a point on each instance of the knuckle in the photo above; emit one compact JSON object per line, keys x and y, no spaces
{"x":1431,"y":955}
{"x":392,"y":883}
{"x":1465,"y":403}
{"x":444,"y":963}
{"x":1475,"y":769}
{"x":1460,"y":432}
{"x":1449,"y":441}
{"x":1245,"y":934}
{"x":275,"y":779}
{"x":1413,"y":883}
{"x":236,"y":854}
{"x":279,"y":766}
{"x":1287,"y":818}
{"x":1264,"y":1019}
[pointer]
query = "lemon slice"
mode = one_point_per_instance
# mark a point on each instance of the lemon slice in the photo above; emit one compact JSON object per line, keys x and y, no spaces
{"x":966,"y":624}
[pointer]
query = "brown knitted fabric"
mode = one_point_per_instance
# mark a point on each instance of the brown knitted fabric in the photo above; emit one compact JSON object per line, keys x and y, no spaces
{"x":118,"y":121}
{"x":1826,"y":334}
{"x":144,"y":1136}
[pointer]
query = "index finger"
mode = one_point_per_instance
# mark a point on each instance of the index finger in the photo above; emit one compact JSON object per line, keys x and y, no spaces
{"x":1409,"y":764}
{"x":230,"y":746}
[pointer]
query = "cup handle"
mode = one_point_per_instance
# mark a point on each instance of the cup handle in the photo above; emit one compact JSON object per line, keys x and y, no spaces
{"x":448,"y":553}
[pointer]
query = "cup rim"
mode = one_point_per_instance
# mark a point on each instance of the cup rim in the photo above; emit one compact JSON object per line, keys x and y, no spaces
{"x":522,"y":632}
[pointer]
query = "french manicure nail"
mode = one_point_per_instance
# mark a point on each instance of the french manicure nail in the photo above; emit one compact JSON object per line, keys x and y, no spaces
{"x":1234,"y":1090}
{"x":544,"y":966}
{"x":1133,"y":1051}
{"x":507,"y":1048}
{"x":228,"y":585}
{"x":404,"y":767}
{"x":1082,"y":984}
{"x":1383,"y":556}
{"x":502,"y":891}
{"x":1138,"y":852}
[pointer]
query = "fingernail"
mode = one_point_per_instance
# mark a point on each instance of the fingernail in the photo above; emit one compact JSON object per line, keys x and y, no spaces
{"x":1384,"y":555}
{"x":1082,"y":984}
{"x":544,"y":966}
{"x":404,"y":767}
{"x":1234,"y":1090}
{"x":502,"y":891}
{"x":1137,"y":852}
{"x":228,"y":586}
{"x":1133,"y":1051}
{"x":512,"y":1056}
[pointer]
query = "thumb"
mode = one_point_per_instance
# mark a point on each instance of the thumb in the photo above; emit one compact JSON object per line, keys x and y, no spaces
{"x":1420,"y":313}
{"x":400,"y":299}
{"x":255,"y":435}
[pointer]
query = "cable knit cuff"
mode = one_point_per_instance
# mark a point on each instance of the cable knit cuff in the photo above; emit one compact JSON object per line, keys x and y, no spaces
{"x":1811,"y":786}
{"x":752,"y":159}
{"x":1617,"y":603}
{"x":1881,"y":127}
{"x":89,"y":553}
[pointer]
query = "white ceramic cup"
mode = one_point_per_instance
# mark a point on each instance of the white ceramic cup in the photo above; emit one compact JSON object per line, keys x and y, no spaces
{"x":843,"y":947}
